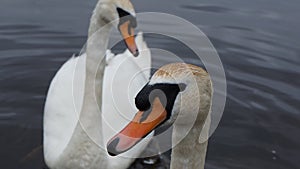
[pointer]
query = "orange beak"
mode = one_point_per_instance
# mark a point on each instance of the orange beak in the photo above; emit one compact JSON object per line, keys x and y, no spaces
{"x":127,"y":33}
{"x":141,"y":125}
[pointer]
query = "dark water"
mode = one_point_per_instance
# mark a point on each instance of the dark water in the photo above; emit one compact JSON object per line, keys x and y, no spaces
{"x":258,"y":43}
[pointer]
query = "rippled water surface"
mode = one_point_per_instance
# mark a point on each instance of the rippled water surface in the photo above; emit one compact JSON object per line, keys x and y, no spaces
{"x":258,"y":43}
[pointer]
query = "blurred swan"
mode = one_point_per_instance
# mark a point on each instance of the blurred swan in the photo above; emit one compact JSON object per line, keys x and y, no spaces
{"x":74,"y":127}
{"x":178,"y":94}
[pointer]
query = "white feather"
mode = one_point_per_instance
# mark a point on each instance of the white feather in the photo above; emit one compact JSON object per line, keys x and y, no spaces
{"x":120,"y":85}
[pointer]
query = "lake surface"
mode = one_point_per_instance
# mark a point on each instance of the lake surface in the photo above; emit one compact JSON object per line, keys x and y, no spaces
{"x":258,"y":43}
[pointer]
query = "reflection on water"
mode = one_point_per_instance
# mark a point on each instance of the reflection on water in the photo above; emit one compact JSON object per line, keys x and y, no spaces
{"x":256,"y":40}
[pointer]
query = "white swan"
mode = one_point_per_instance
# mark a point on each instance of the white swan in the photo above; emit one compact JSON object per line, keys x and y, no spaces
{"x":178,"y":94}
{"x":74,"y":134}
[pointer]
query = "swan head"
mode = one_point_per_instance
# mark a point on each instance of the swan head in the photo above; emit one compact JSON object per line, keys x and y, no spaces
{"x":173,"y":93}
{"x":121,"y":14}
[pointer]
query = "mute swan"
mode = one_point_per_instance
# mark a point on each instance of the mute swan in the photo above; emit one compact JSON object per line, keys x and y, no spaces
{"x":178,"y":94}
{"x":74,"y":130}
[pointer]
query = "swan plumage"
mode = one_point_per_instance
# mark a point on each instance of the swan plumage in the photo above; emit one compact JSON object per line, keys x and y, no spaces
{"x":65,"y":96}
{"x":73,"y":125}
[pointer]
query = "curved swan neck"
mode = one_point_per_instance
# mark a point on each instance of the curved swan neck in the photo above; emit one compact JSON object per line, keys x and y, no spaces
{"x":97,"y":43}
{"x":87,"y":136}
{"x":90,"y":116}
{"x":96,"y":21}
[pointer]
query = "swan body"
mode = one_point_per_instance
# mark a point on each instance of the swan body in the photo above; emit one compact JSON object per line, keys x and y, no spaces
{"x":75,"y":129}
{"x":179,"y":94}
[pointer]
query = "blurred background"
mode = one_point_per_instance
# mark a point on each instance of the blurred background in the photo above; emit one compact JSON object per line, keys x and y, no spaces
{"x":258,"y":43}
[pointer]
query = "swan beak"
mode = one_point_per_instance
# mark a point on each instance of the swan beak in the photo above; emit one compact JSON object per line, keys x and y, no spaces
{"x":127,"y":32}
{"x":141,"y":125}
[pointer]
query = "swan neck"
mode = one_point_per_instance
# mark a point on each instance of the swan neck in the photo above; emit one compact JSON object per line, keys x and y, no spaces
{"x":90,"y":115}
{"x":87,"y":136}
{"x":98,"y":36}
{"x":189,"y":153}
{"x":190,"y":142}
